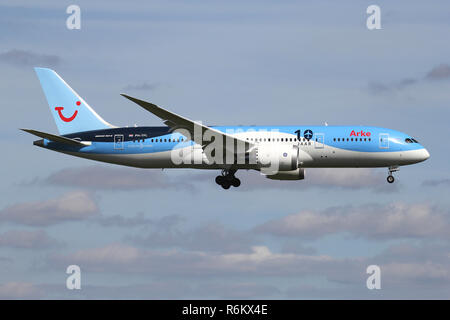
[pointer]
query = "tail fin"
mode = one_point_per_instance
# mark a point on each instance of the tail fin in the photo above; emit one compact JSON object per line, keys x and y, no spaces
{"x":70,"y":111}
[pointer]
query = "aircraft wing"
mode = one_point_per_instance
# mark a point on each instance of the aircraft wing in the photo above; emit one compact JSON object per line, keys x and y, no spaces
{"x":176,"y":121}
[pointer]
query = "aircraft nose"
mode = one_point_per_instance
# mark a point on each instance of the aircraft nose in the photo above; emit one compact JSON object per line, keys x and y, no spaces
{"x":426,"y":154}
{"x":423,"y":154}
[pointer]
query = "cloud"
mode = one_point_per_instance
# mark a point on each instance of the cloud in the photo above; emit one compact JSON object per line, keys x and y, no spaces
{"x":27,"y":239}
{"x":6,"y":260}
{"x":376,"y":88}
{"x":164,"y":289}
{"x":19,"y":290}
{"x":23,"y":58}
{"x":424,"y":268}
{"x":423,"y":265}
{"x":437,"y":182}
{"x":260,"y":261}
{"x":142,"y":87}
{"x":212,"y":237}
{"x":128,"y":179}
{"x":114,"y":178}
{"x":323,"y":178}
{"x":139,"y":220}
{"x":390,"y":221}
{"x":440,"y":72}
{"x":407,"y":272}
{"x":72,"y":206}
{"x":241,"y":290}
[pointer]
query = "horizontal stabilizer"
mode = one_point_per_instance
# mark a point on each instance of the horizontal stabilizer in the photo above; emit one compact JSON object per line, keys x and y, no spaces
{"x":55,"y":138}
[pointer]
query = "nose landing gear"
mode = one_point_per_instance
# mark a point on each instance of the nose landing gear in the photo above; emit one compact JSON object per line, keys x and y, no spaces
{"x":390,"y":177}
{"x":228,"y":179}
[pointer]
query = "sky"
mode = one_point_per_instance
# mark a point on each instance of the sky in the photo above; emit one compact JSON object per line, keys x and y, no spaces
{"x":175,"y":234}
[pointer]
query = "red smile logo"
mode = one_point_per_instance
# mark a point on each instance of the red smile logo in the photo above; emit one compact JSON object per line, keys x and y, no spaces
{"x":62,"y":116}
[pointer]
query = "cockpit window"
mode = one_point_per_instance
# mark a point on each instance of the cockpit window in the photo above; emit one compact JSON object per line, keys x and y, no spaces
{"x":411,"y":140}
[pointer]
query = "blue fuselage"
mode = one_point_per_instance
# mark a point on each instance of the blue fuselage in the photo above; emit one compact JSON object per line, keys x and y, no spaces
{"x":320,"y":146}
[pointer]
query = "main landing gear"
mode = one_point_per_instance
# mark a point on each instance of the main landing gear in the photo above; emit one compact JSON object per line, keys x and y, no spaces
{"x":227,"y":179}
{"x":390,"y":177}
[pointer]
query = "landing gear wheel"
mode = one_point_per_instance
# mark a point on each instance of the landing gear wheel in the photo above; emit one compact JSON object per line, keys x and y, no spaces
{"x":227,"y":179}
{"x":220,"y":180}
{"x":390,"y":177}
{"x":226,"y":185}
{"x":235,"y":182}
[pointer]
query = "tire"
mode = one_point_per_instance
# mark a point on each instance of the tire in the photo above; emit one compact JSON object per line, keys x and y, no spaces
{"x":220,"y":180}
{"x":390,"y":179}
{"x":226,"y":185}
{"x":235,"y":182}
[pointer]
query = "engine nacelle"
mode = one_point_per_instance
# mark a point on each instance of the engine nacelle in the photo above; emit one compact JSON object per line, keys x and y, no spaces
{"x":272,"y":158}
{"x":298,"y":174}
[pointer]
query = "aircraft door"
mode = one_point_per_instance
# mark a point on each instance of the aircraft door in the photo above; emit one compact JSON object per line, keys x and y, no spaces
{"x":319,"y":140}
{"x":384,"y":141}
{"x":118,"y":142}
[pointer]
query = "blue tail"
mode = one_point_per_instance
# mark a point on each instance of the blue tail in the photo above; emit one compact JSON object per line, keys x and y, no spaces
{"x":70,"y":111}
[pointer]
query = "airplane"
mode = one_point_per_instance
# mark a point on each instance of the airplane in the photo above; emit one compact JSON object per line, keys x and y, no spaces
{"x":278,"y":152}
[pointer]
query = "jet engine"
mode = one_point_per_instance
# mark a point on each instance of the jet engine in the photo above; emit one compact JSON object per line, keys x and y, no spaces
{"x":297,"y":174}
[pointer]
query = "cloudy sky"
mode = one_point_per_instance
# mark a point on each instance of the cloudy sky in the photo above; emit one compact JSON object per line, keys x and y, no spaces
{"x":176,"y":234}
